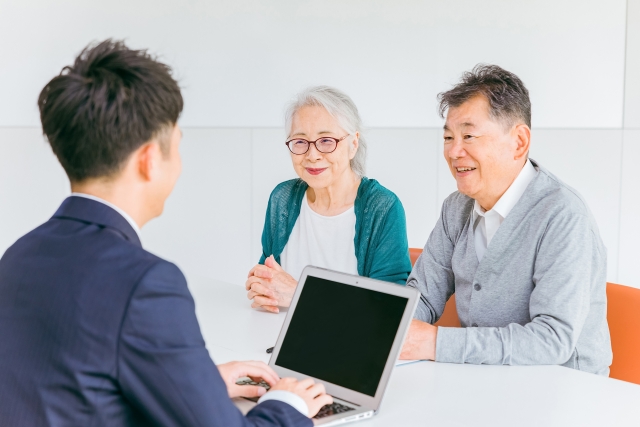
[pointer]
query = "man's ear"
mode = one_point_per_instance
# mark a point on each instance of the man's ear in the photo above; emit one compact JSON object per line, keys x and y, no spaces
{"x":146,"y":159}
{"x":523,"y":140}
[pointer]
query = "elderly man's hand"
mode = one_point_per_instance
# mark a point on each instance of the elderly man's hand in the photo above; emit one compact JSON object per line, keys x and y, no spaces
{"x":420,"y":343}
{"x":269,"y":286}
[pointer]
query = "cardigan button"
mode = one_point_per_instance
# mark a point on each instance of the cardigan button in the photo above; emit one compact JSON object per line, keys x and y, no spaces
{"x":477,"y":287}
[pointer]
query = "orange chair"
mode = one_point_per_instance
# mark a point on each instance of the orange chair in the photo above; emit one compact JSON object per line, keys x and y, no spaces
{"x":623,"y":316}
{"x":414,"y":254}
{"x":449,"y":316}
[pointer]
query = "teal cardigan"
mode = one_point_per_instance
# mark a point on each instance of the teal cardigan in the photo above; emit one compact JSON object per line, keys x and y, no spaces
{"x":381,"y":243}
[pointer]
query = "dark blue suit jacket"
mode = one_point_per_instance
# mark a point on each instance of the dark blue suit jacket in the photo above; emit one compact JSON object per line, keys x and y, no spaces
{"x":96,"y":331}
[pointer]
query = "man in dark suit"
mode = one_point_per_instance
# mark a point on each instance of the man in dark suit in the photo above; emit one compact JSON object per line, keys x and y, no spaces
{"x":94,"y":330}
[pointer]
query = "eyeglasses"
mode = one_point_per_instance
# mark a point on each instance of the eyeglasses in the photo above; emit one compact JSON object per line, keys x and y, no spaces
{"x":325,"y":144}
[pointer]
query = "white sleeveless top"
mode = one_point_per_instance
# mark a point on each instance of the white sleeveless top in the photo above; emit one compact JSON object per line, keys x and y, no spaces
{"x":322,"y":241}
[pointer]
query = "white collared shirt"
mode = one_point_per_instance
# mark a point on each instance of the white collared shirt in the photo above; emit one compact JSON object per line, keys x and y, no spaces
{"x":125,"y":215}
{"x":486,"y":223}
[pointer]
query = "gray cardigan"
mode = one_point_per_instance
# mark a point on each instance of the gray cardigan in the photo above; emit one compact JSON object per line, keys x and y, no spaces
{"x":538,"y":297}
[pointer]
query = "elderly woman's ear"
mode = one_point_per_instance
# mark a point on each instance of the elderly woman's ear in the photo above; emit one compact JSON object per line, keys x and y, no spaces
{"x":353,"y":148}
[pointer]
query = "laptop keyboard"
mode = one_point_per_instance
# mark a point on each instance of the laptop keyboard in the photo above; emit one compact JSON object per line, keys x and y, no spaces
{"x":326,"y":411}
{"x":333,"y":409}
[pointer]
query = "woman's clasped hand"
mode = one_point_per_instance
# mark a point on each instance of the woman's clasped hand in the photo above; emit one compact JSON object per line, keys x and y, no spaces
{"x":269,"y":286}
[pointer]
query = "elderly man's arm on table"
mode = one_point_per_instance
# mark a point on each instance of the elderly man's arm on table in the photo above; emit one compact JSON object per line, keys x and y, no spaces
{"x":432,"y":275}
{"x":558,"y":306}
{"x":166,"y":372}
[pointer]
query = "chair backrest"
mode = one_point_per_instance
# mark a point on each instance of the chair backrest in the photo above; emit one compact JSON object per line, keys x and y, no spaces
{"x":449,"y":316}
{"x":623,"y":316}
{"x":414,"y":254}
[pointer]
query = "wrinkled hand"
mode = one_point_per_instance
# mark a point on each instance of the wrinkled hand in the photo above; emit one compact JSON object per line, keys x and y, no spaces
{"x":233,"y":371}
{"x":420,"y":343}
{"x":313,"y":394}
{"x":269,"y":286}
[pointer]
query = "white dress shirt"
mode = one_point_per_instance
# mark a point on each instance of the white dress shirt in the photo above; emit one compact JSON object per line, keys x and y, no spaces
{"x":486,"y":223}
{"x":125,"y":215}
{"x":287,"y":397}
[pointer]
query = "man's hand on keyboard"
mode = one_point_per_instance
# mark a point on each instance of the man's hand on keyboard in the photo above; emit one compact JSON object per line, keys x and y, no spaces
{"x":257,"y":371}
{"x":313,"y":394}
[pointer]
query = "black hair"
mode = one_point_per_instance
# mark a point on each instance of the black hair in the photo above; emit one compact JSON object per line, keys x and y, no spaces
{"x":105,"y":106}
{"x":507,"y":96}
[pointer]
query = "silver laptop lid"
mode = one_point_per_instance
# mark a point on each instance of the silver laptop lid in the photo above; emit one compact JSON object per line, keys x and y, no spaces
{"x":345,"y":331}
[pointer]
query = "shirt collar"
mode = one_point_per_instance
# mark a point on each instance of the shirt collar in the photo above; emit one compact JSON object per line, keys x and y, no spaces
{"x":510,"y":197}
{"x":125,"y":215}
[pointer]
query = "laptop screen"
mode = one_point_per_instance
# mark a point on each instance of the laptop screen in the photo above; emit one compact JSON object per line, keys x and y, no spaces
{"x":341,"y":334}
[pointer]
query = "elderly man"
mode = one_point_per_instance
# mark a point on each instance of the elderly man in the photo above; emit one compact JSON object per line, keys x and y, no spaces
{"x":518,"y":247}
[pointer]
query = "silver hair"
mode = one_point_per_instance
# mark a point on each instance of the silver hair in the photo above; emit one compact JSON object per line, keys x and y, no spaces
{"x":341,"y":107}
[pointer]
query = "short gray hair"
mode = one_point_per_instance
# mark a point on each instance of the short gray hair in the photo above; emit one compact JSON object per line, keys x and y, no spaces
{"x":507,"y":96}
{"x":342,"y":108}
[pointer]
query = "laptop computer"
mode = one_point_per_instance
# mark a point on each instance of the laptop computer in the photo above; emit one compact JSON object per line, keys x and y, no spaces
{"x":345,"y":332}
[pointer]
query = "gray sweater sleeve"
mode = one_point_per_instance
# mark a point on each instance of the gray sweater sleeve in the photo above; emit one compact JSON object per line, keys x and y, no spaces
{"x":559,"y":304}
{"x":432,"y":274}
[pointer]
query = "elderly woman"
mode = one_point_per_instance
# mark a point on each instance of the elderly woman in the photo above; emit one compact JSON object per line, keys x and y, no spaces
{"x":332,"y":216}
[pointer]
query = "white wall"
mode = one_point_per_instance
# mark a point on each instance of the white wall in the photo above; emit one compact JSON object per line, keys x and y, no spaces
{"x":240,"y":61}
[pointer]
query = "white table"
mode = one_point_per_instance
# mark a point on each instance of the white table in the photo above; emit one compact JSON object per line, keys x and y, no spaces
{"x":435,"y":394}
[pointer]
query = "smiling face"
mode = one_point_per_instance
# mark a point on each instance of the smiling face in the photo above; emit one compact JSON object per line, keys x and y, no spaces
{"x":484,"y":155}
{"x":321,"y":170}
